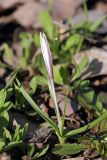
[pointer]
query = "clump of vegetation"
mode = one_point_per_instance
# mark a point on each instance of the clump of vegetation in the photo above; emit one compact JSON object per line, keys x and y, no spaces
{"x":60,"y":73}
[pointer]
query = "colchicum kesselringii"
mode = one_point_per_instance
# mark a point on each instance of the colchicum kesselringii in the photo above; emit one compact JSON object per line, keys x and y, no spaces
{"x":59,"y":129}
{"x":49,"y":66}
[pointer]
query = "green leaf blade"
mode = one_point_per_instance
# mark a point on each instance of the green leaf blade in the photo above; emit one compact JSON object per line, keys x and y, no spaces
{"x":68,"y":149}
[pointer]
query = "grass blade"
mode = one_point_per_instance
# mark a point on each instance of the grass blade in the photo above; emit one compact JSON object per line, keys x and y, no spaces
{"x":88,"y":126}
{"x":35,"y":107}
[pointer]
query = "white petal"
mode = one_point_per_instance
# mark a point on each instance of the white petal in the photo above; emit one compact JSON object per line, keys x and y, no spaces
{"x":46,"y":54}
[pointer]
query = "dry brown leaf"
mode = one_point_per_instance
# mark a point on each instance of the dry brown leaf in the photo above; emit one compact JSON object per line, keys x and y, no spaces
{"x":26,"y":158}
{"x":6,"y":4}
{"x":93,"y":15}
{"x":28,"y":14}
{"x":71,"y":107}
{"x":97,"y":62}
{"x":91,"y":154}
{"x":4,"y":156}
{"x":63,"y":9}
{"x":101,"y":6}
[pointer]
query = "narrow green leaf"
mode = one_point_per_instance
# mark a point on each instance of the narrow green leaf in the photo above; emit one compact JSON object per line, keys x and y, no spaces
{"x":4,"y":119}
{"x":83,"y":64}
{"x":7,"y":134}
{"x":41,"y":152}
{"x":31,"y":149}
{"x":36,"y":39}
{"x":38,"y":110}
{"x":7,"y":105}
{"x":22,"y":132}
{"x":16,"y":136}
{"x":97,"y":23}
{"x":11,"y":79}
{"x":47,"y":23}
{"x":41,"y":80}
{"x":12,"y":144}
{"x":90,"y":100}
{"x":64,"y":74}
{"x":3,"y":95}
{"x":73,"y":41}
{"x":69,"y":149}
{"x":57,"y":75}
{"x":2,"y":144}
{"x":7,"y":51}
{"x":33,"y":84}
{"x":80,"y":67}
{"x":88,"y":126}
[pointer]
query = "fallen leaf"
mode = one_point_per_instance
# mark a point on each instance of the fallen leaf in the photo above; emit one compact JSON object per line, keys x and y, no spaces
{"x":28,"y":14}
{"x":7,"y":4}
{"x":93,"y":15}
{"x":59,"y":12}
{"x":97,"y":62}
{"x":4,"y":156}
{"x":90,"y":154}
{"x":71,"y":107}
{"x":102,"y":6}
{"x":26,"y":158}
{"x":62,"y":9}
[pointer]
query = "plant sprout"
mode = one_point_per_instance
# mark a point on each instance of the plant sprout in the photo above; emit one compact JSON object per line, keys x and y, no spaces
{"x":48,"y":62}
{"x":59,"y":129}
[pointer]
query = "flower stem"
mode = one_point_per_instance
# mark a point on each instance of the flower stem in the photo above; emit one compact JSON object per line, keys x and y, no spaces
{"x":53,"y":95}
